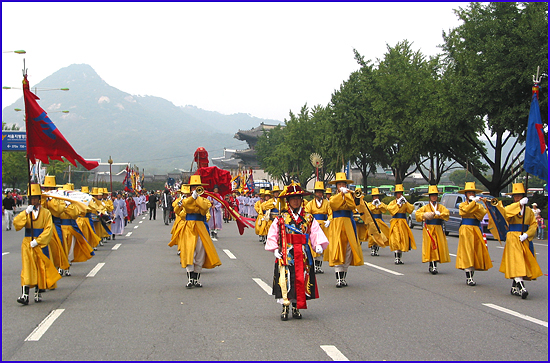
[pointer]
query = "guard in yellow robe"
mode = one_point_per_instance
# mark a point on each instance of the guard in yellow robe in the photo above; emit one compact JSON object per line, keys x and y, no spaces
{"x":259,"y":215}
{"x":86,"y":222}
{"x":270,"y":208}
{"x":401,"y":238}
{"x":37,"y":270}
{"x":344,"y":248}
{"x":472,"y":253}
{"x":197,"y":249}
{"x":377,"y":208}
{"x":109,"y":207}
{"x":519,"y":260}
{"x":55,"y":247}
{"x":320,"y":209}
{"x":101,"y":224}
{"x":362,"y":230}
{"x":434,"y":242}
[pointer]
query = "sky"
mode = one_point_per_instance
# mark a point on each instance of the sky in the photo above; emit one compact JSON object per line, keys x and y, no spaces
{"x":263,"y":59}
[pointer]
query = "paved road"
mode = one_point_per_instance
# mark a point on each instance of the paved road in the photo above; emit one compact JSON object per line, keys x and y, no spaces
{"x":136,"y":307}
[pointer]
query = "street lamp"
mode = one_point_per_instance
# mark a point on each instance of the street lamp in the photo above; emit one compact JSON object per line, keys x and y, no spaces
{"x":39,"y":89}
{"x":62,"y":111}
{"x":14,"y":51}
{"x":110,"y":161}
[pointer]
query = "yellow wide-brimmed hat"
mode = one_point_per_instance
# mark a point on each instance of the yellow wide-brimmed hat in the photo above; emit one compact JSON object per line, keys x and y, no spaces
{"x":319,"y":185}
{"x":341,"y":177}
{"x":276,"y":188}
{"x":517,"y":188}
{"x":104,"y":191}
{"x":95,"y":191}
{"x":34,"y":190}
{"x":195,"y":181}
{"x":328,"y":191}
{"x":67,"y":187}
{"x":432,"y":189}
{"x":470,"y":187}
{"x":375,"y":191}
{"x":399,"y":188}
{"x":185,"y":189}
{"x":84,"y":189}
{"x":49,"y":182}
{"x":261,"y":192}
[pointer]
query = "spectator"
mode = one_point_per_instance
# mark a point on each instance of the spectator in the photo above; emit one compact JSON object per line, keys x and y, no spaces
{"x":8,"y":208}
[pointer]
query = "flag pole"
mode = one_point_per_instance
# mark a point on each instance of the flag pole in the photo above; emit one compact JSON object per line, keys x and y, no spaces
{"x":29,"y":191}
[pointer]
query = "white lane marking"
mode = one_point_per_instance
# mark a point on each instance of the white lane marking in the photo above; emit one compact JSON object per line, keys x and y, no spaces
{"x":500,"y":247}
{"x":452,"y":255}
{"x":144,"y":217}
{"x":140,"y":221}
{"x":519,"y":315}
{"x":263,"y":285}
{"x":333,"y":352}
{"x":43,"y":326}
{"x":540,"y":244}
{"x":128,"y":234}
{"x":230,"y":255}
{"x":115,"y":247}
{"x":4,"y":253}
{"x":384,"y":269}
{"x":136,"y":227}
{"x":95,"y":269}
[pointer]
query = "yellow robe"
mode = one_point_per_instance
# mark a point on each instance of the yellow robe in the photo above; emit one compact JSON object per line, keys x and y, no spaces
{"x":441,"y":252}
{"x":191,"y":230}
{"x":517,"y":259}
{"x":99,"y":229}
{"x":259,"y":219}
{"x":472,"y":251}
{"x":312,"y":208}
{"x":401,"y":237}
{"x":37,"y":269}
{"x":379,"y":210}
{"x":268,"y":206}
{"x":342,"y":232}
{"x":56,"y":249}
{"x":86,"y":227}
{"x":179,"y":224}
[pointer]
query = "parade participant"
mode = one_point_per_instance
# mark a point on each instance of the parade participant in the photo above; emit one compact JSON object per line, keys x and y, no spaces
{"x":120,"y":213}
{"x":377,"y":207}
{"x":259,"y":215}
{"x":101,"y":224}
{"x":215,"y":222}
{"x":472,"y":253}
{"x":86,"y":222}
{"x":131,"y":208}
{"x":320,"y":209}
{"x":37,"y":270}
{"x":345,"y":249}
{"x":166,"y":203}
{"x":270,"y":207}
{"x":401,"y":238}
{"x":253,"y":201}
{"x":152,"y":203}
{"x":294,"y":273}
{"x":8,"y":208}
{"x":434,"y":242}
{"x":362,"y":230}
{"x":197,"y":249}
{"x":519,"y":261}
{"x":328,"y":193}
{"x":264,"y":221}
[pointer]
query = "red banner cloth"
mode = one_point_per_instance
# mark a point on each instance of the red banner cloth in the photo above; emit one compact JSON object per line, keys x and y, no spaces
{"x":297,"y":241}
{"x":212,"y":175}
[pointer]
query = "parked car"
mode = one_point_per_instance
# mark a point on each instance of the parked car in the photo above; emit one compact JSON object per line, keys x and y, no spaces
{"x":452,"y":202}
{"x":411,"y":219}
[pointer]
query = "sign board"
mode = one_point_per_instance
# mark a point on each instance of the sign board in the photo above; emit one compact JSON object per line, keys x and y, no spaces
{"x":14,"y":141}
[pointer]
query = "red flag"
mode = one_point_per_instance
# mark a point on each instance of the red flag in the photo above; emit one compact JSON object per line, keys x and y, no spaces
{"x":44,"y":139}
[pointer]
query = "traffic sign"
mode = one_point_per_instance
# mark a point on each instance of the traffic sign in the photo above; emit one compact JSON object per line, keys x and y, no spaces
{"x":14,"y":141}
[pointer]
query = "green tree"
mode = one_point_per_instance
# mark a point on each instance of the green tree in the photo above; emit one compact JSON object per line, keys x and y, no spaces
{"x":14,"y":165}
{"x":490,"y":60}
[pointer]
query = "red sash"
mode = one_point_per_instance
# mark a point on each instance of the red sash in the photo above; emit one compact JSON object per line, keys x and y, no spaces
{"x":299,"y":284}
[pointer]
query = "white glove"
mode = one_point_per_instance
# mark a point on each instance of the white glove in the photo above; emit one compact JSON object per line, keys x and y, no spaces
{"x":29,"y":209}
{"x":524,"y":236}
{"x":437,"y":213}
{"x":34,"y":243}
{"x":376,"y":202}
{"x":344,"y":190}
{"x":277,"y":253}
{"x":403,"y":200}
{"x":67,"y":203}
{"x":327,"y":223}
{"x":474,"y":198}
{"x":195,"y":195}
{"x":523,"y":201}
{"x":319,"y":249}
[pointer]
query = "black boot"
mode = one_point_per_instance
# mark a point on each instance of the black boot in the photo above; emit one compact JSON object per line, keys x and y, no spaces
{"x":24,"y":298}
{"x":318,"y":267}
{"x":295,"y":312}
{"x":284,"y":313}
{"x":376,"y":249}
{"x":344,"y":283}
{"x":397,"y":259}
{"x":339,"y":279}
{"x":514,"y":290}
{"x":431,"y":267}
{"x":399,"y":255}
{"x":113,"y":236}
{"x":37,"y":294}
{"x":190,"y":280}
{"x":522,"y":290}
{"x":435,"y":272}
{"x":196,"y":279}
{"x":469,"y":278}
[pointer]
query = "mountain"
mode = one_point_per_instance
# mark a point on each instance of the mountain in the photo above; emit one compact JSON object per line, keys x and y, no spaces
{"x":148,"y":131}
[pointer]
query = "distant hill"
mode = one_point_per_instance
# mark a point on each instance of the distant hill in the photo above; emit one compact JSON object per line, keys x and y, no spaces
{"x":148,"y":131}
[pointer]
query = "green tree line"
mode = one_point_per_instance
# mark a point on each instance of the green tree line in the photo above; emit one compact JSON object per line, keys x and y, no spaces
{"x":408,"y":112}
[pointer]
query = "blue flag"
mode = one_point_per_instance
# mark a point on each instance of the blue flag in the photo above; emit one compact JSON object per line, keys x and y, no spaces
{"x":536,"y":155}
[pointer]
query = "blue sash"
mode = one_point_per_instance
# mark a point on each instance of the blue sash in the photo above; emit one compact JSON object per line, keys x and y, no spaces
{"x":346,"y":214}
{"x":105,"y":226}
{"x":66,"y":222}
{"x":197,"y":217}
{"x":89,"y":216}
{"x":320,"y":217}
{"x":435,"y":222}
{"x":377,"y":216}
{"x":37,"y":232}
{"x":471,"y":222}
{"x":400,"y":215}
{"x":518,"y":228}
